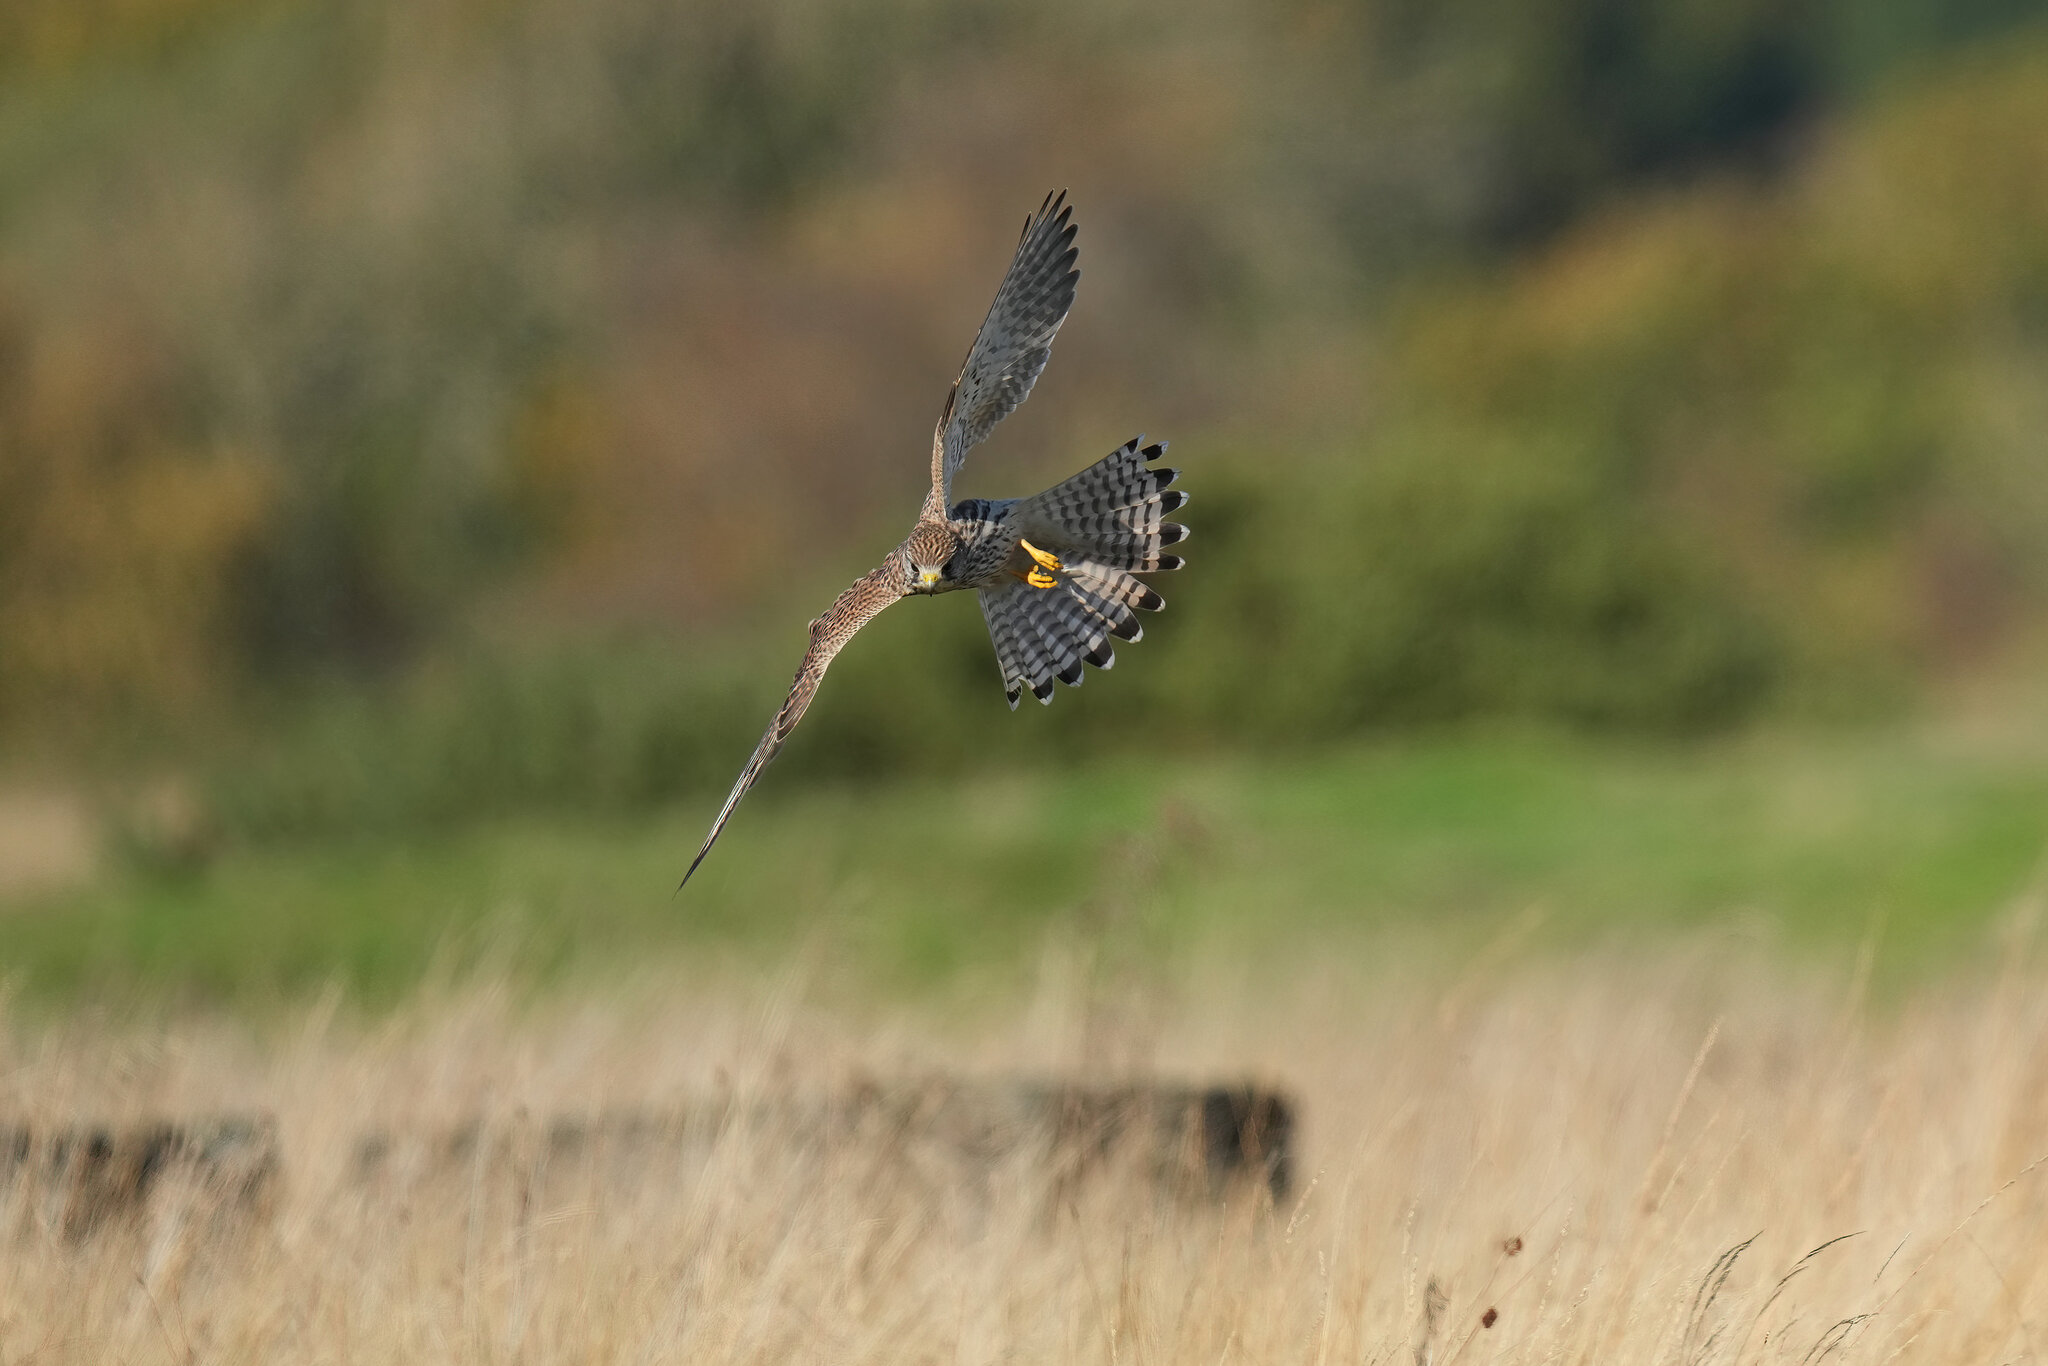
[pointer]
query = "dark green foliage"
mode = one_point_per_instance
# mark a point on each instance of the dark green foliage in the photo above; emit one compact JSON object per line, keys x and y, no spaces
{"x":606,"y":726}
{"x":1553,"y":106}
{"x":1416,"y":588}
{"x":1488,"y":581}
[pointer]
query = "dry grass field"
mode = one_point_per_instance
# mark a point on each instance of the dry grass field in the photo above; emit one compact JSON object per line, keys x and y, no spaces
{"x":1598,"y":1158}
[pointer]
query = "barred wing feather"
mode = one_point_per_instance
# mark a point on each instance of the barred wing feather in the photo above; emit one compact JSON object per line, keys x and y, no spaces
{"x":1015,"y":339}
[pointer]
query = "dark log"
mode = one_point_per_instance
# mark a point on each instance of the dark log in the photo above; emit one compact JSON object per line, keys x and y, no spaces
{"x":83,"y":1175}
{"x":1195,"y":1140}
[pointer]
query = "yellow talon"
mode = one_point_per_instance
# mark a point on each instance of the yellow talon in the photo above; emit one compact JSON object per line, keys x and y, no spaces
{"x":1046,"y":561}
{"x":1038,"y":578}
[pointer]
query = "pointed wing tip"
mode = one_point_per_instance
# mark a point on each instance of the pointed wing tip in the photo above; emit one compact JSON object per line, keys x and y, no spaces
{"x":1055,"y":208}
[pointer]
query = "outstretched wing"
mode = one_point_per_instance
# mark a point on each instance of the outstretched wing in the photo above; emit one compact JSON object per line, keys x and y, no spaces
{"x":1014,"y":341}
{"x":856,"y":607}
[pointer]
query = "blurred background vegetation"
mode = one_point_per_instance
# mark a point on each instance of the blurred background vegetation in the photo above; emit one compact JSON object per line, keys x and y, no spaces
{"x":423,"y":412}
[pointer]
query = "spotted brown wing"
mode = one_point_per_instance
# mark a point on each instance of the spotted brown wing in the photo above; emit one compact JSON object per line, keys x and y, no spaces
{"x":856,"y":607}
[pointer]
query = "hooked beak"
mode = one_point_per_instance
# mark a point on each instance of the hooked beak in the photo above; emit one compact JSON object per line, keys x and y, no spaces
{"x":927,"y":579}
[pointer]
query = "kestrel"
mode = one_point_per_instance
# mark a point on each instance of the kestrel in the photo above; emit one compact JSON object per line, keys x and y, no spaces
{"x":1055,"y":571}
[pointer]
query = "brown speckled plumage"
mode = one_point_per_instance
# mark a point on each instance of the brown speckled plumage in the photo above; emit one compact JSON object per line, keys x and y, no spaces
{"x":1055,"y":570}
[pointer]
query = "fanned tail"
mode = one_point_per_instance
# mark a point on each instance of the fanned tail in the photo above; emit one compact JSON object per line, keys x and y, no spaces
{"x":1113,"y":512}
{"x":1043,"y":635}
{"x":1106,"y":525}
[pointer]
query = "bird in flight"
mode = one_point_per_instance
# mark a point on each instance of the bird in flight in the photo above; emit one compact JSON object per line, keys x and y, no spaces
{"x":1055,"y":571}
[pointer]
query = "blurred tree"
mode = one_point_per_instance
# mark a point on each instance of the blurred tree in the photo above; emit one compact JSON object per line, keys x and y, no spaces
{"x":119,"y":523}
{"x":327,"y":321}
{"x":1525,"y":114}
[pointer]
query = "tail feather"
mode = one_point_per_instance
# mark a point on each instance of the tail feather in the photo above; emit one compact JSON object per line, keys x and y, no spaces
{"x":1114,"y":612}
{"x":1043,"y":635}
{"x":1089,"y":629}
{"x":1113,"y":512}
{"x":1116,"y":589}
{"x":1037,"y":660}
{"x":1061,"y":652}
{"x":1004,"y":632}
{"x":1025,"y":651}
{"x":1106,"y":524}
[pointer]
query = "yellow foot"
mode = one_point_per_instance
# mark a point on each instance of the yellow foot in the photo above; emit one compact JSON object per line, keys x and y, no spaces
{"x":1046,"y":559}
{"x":1048,"y":565}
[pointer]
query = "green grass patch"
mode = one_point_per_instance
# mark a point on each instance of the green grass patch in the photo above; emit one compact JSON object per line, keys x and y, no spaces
{"x":1811,"y":844}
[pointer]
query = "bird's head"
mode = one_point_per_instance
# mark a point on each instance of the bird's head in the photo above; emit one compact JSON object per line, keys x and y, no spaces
{"x":927,"y":557}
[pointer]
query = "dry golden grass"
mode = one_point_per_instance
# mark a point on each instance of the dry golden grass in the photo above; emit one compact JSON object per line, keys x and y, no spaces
{"x":1604,"y":1159}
